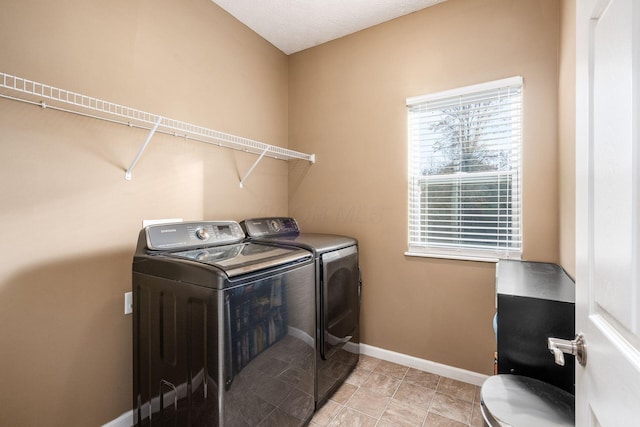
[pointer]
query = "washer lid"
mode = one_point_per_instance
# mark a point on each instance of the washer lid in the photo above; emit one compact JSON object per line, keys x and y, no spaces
{"x":514,"y":400}
{"x":315,"y":242}
{"x":243,"y":258}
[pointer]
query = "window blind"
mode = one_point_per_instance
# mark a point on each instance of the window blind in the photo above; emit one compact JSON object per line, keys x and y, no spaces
{"x":465,"y":171}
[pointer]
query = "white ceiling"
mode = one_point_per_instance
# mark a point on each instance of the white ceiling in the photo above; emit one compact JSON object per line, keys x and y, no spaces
{"x":295,"y":25}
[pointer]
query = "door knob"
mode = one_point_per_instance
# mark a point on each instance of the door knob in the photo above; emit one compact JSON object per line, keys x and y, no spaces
{"x":558,"y":347}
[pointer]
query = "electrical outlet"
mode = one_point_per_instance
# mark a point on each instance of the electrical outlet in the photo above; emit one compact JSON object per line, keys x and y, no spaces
{"x":128,"y":302}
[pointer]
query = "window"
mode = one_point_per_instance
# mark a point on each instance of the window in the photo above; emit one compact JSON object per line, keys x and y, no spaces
{"x":464,"y":172}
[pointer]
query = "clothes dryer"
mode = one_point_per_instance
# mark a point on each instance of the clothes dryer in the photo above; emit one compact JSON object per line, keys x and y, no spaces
{"x":338,"y":289}
{"x":223,"y":330}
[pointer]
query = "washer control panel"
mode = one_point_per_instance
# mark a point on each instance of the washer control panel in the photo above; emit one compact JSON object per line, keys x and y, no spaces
{"x":196,"y":234}
{"x":270,"y":227}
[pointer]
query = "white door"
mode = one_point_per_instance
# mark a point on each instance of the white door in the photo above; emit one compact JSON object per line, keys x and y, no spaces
{"x":607,"y":211}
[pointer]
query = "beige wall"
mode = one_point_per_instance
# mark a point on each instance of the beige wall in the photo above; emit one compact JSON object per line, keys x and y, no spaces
{"x":566,"y":140}
{"x":70,"y":220}
{"x":347,"y":105}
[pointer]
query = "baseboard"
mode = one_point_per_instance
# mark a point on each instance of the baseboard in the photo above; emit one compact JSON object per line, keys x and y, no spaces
{"x":126,"y":419}
{"x":424,"y":365}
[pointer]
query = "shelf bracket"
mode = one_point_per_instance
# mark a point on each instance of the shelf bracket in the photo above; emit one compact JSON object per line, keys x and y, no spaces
{"x":153,"y":130}
{"x":244,"y":178}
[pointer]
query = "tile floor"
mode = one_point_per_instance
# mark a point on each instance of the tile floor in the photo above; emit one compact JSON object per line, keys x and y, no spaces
{"x":384,"y":394}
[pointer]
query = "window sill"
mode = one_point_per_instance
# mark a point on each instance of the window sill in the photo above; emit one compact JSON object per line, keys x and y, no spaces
{"x":452,"y":257}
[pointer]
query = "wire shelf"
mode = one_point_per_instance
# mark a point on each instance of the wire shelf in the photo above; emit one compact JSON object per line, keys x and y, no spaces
{"x":20,"y":89}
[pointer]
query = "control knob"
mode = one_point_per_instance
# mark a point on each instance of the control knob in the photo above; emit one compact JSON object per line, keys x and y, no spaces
{"x":202,"y":234}
{"x":275,"y":225}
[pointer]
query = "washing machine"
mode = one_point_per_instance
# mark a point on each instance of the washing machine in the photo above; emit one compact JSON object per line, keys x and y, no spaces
{"x":338,"y":291}
{"x":223,"y":329}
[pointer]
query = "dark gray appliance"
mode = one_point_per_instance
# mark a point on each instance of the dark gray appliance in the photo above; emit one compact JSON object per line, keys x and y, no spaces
{"x":338,"y":287}
{"x":223,"y":330}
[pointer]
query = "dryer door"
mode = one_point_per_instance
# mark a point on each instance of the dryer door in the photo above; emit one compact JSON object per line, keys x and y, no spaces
{"x":340,"y":301}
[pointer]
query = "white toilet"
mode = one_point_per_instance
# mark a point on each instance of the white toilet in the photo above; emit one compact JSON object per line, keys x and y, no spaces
{"x":519,"y":401}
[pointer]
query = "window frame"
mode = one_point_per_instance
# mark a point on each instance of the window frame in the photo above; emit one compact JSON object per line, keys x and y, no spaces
{"x":489,"y":254}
